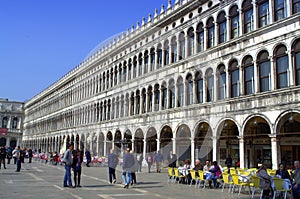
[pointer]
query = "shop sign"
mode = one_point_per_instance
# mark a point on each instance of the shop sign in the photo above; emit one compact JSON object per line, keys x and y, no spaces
{"x":3,"y":131}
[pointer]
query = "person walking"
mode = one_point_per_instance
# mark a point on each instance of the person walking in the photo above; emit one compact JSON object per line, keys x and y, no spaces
{"x":29,"y":155}
{"x":76,"y":166}
{"x":2,"y":156}
{"x":18,"y":153}
{"x":88,"y":157}
{"x":112,"y":161}
{"x":127,"y":166}
{"x":158,"y":158}
{"x":9,"y":154}
{"x":140,"y":159}
{"x":67,"y":159}
{"x":149,"y":162}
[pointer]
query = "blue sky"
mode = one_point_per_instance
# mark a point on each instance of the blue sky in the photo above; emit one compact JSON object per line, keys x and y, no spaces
{"x":40,"y":41}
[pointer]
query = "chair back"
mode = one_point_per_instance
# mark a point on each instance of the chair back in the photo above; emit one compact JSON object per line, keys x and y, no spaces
{"x":232,"y":171}
{"x":201,"y":174}
{"x":278,"y":184}
{"x":176,"y":172}
{"x":193,"y":174}
{"x":235,"y":178}
{"x":256,"y":181}
{"x":225,"y":177}
{"x":170,"y":171}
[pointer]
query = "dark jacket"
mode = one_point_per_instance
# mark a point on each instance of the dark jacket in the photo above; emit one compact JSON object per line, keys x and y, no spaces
{"x":172,"y":161}
{"x":128,"y":162}
{"x":283,"y":173}
{"x":112,"y":160}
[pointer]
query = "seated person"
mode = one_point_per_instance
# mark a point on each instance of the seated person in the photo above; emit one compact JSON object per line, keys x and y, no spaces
{"x":296,"y":182}
{"x":187,"y":167}
{"x":207,"y":173}
{"x":265,"y":180}
{"x":216,"y":173}
{"x":181,"y":171}
{"x":198,"y":166}
{"x":284,"y":174}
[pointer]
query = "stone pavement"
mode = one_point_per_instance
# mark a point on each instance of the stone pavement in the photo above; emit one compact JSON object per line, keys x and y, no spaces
{"x":39,"y":180}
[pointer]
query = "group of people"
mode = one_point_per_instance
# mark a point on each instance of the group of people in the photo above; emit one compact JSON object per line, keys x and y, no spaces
{"x":72,"y":160}
{"x":290,"y":181}
{"x":17,"y":154}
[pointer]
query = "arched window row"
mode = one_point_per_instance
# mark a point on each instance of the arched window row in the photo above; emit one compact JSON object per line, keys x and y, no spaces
{"x":228,"y":24}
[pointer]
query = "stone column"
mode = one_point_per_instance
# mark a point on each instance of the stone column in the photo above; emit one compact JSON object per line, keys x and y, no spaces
{"x":174,"y":146}
{"x":242,"y":151}
{"x":205,"y":38}
{"x":104,"y":147}
{"x":215,"y":148}
{"x":270,"y":14}
{"x":132,"y":145}
{"x":272,"y":74}
{"x":274,"y":148}
{"x":216,"y":40}
{"x":192,"y":152}
{"x":228,"y":28}
{"x":157,"y":144}
{"x":290,"y":74}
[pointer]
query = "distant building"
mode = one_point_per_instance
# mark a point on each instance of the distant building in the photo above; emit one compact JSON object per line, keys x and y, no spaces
{"x":11,"y":122}
{"x":203,"y":78}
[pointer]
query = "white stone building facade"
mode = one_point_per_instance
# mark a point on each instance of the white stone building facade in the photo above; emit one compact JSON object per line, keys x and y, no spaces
{"x":11,"y":123}
{"x":202,"y":78}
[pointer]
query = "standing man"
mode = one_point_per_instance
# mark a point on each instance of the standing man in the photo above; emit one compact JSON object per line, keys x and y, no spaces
{"x":140,"y":162}
{"x":296,"y":183}
{"x":149,"y":161}
{"x":112,"y":161}
{"x":158,"y":158}
{"x":127,"y":166}
{"x":172,"y":158}
{"x":29,"y":155}
{"x":9,"y":154}
{"x":18,"y":152}
{"x":88,"y":157}
{"x":67,"y":159}
{"x":2,"y":156}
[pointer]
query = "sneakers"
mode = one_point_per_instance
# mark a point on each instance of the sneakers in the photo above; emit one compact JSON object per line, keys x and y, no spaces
{"x":114,"y":181}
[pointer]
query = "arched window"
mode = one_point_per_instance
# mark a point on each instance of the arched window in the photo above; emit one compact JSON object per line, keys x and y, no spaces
{"x":296,"y":56}
{"x":122,"y":106}
{"x":138,"y":101}
{"x":146,"y":62}
{"x":210,"y":85}
{"x":150,"y":99}
{"x":199,"y":85}
{"x":124,"y":71}
{"x":135,"y":67}
{"x":191,"y":44}
{"x":200,"y":37}
{"x":296,"y":6}
{"x":264,"y":69}
{"x":173,"y":50}
{"x":140,"y":64}
{"x":129,"y":69}
{"x":210,"y":32}
{"x":189,"y":89}
{"x":171,"y":94}
{"x":117,"y":107}
{"x":108,"y":109}
{"x":282,"y":66}
{"x":152,"y":59}
{"x":156,"y":97}
{"x":166,"y":52}
{"x":234,"y":22}
{"x":182,"y":46}
{"x":221,"y":81}
{"x":115,"y":76}
{"x":279,"y":9}
{"x":180,"y":92}
{"x":144,"y":98}
{"x":132,"y":104}
{"x":222,"y":27}
{"x":234,"y":78}
{"x":263,"y":13}
{"x":111,"y":77}
{"x":249,"y":80}
{"x":4,"y":122}
{"x":120,"y":73}
{"x":248,"y":16}
{"x":159,"y":56}
{"x":164,"y":96}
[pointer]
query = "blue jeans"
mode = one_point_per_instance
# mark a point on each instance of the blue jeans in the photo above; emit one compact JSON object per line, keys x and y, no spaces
{"x":124,"y":177}
{"x":296,"y":192}
{"x":67,"y":178}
